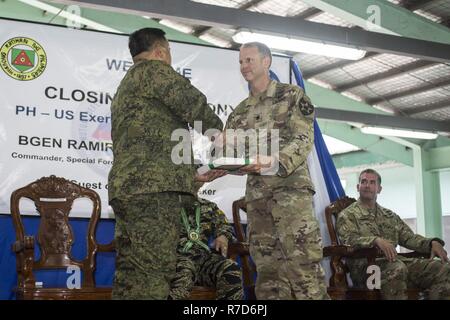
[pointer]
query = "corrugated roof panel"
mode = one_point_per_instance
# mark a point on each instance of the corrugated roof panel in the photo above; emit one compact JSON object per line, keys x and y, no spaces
{"x":335,"y":77}
{"x":225,"y":34}
{"x":223,"y":3}
{"x":421,"y":99}
{"x":439,"y":8}
{"x":364,"y":92}
{"x":428,"y":15}
{"x":394,"y":85}
{"x":182,"y":27}
{"x":285,"y":8}
{"x":434,"y":10}
{"x":441,"y":114}
{"x":328,"y":18}
{"x":433,"y":72}
{"x":215,"y":40}
{"x":444,"y":90}
{"x":366,"y":67}
{"x":393,"y":60}
{"x":311,"y":61}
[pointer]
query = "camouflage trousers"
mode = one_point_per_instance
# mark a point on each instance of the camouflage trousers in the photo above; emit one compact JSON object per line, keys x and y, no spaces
{"x":431,"y":276}
{"x":146,"y":238}
{"x":206,"y":269}
{"x":285,"y":244}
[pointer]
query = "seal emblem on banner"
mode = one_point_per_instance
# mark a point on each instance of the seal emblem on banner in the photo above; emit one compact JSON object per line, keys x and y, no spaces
{"x":22,"y":58}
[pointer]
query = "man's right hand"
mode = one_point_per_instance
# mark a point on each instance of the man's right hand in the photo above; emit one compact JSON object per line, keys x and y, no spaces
{"x":438,"y":251}
{"x":387,"y":248}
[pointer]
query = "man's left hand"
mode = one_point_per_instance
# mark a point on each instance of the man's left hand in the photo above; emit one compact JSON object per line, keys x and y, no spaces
{"x":438,"y":251}
{"x":221,"y":244}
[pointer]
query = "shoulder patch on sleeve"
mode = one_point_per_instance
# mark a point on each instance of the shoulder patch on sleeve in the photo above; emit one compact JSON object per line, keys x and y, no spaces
{"x":306,"y":107}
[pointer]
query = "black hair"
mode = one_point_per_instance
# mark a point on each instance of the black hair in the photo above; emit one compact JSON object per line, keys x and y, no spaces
{"x":145,"y":40}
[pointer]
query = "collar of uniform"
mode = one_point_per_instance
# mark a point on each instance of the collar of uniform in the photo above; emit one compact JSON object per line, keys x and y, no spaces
{"x":151,"y":61}
{"x":385,"y":212}
{"x":362,"y":208}
{"x":378,"y":209}
{"x":270,"y":92}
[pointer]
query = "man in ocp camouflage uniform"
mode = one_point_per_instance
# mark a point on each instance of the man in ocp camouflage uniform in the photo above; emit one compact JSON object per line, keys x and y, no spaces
{"x":146,"y":188}
{"x":284,"y":235}
{"x":366,"y":224}
{"x":197,"y":264}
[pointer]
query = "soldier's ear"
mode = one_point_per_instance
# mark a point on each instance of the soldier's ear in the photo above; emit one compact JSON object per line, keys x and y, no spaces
{"x":266,"y":62}
{"x":158,"y":52}
{"x":379,"y":189}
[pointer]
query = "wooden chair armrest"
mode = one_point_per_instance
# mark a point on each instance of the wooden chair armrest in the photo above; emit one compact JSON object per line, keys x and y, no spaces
{"x":414,"y":254}
{"x":238,"y":249}
{"x":350,"y":252}
{"x":110,"y":247}
{"x":238,"y":228}
{"x":22,"y":245}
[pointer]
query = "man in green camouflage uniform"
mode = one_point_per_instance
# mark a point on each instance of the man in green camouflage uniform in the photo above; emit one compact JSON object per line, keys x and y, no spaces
{"x":196,"y":263}
{"x":284,"y":235}
{"x":366,"y":224}
{"x":146,"y":189}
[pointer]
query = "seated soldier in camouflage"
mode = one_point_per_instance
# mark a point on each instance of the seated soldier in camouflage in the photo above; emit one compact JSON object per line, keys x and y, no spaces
{"x":197,"y":264}
{"x":365,"y":224}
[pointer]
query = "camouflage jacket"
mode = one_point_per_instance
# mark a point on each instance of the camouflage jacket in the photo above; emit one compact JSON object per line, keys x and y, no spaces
{"x":287,"y":108}
{"x":213,"y":223}
{"x":359,"y":227}
{"x":151,"y":102}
